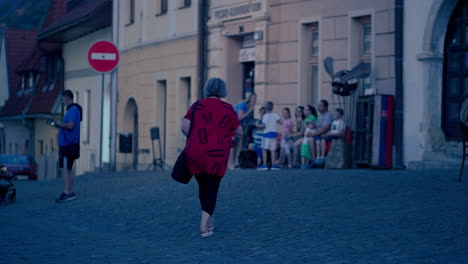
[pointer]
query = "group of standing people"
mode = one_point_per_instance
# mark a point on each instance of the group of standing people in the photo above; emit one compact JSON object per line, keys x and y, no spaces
{"x":292,"y":142}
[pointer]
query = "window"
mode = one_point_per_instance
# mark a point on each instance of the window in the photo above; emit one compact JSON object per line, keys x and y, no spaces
{"x":52,"y":148}
{"x":59,"y":67}
{"x":131,"y":12}
{"x":366,"y":44}
{"x":23,"y":81}
{"x":361,"y":49}
{"x":313,"y":63}
{"x":51,"y":69}
{"x":41,"y":147}
{"x":163,"y":7}
{"x":30,"y":80}
{"x":185,"y":94}
{"x":366,"y":38}
{"x":185,"y":3}
{"x":315,"y":42}
{"x":314,"y":85}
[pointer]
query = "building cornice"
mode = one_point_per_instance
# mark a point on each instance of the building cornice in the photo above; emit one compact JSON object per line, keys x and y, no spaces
{"x":159,"y":42}
{"x":430,"y":56}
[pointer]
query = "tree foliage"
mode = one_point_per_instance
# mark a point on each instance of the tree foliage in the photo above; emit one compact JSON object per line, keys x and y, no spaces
{"x":23,"y":14}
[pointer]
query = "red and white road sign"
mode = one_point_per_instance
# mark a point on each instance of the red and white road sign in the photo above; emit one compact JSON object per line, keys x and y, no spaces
{"x":103,"y":56}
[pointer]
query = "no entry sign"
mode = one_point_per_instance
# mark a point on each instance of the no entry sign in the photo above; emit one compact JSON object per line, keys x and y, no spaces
{"x":103,"y":56}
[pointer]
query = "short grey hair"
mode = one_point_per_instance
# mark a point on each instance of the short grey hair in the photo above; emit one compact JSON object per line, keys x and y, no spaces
{"x":215,"y":87}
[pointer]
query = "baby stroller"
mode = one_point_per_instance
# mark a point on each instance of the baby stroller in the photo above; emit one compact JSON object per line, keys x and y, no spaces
{"x":7,"y":189}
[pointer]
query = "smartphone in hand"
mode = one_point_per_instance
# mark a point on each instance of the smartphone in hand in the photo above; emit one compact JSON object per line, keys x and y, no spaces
{"x":51,"y":122}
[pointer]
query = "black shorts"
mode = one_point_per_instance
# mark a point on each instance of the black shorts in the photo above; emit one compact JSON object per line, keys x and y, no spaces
{"x":64,"y":160}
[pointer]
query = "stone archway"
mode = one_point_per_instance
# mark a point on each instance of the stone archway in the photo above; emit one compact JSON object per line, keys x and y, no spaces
{"x":130,"y":126}
{"x":432,"y":58}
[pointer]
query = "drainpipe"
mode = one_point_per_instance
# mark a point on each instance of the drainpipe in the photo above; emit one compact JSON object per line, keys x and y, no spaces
{"x":398,"y":129}
{"x":202,"y":45}
{"x":114,"y":90}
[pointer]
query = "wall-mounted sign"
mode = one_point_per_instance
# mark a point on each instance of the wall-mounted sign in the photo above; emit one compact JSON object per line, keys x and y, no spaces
{"x":247,"y":54}
{"x":238,"y":11}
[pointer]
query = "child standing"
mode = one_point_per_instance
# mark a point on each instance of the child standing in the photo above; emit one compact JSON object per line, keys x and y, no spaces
{"x":257,"y":135}
{"x":270,"y":121}
{"x":286,"y":139}
{"x":306,"y":156}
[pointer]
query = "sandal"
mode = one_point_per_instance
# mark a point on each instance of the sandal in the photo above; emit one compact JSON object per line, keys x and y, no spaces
{"x":207,"y":234}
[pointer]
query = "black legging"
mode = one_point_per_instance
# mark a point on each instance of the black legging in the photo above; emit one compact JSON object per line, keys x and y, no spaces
{"x":208,"y":186}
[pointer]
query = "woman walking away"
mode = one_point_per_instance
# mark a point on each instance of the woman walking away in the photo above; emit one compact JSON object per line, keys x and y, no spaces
{"x":215,"y":128}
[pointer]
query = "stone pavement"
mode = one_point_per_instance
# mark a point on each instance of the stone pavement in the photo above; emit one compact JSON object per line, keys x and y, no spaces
{"x":288,"y":216}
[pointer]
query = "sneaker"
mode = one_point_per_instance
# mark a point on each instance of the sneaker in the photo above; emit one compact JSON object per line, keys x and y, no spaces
{"x":318,"y":163}
{"x":275,"y":168}
{"x":262,"y":167}
{"x":66,"y":198}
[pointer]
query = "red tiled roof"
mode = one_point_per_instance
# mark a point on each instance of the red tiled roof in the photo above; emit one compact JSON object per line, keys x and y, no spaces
{"x":19,"y":44}
{"x":83,"y":9}
{"x":31,"y":63}
{"x":56,"y":11}
{"x":24,"y":55}
{"x":43,"y":102}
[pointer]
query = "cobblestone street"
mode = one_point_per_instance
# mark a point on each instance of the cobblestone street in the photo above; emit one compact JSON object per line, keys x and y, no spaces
{"x":289,"y":216}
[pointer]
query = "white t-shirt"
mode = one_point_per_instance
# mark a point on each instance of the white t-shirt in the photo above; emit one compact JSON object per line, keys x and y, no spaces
{"x":271,"y":122}
{"x":337,"y":126}
{"x":307,"y":131}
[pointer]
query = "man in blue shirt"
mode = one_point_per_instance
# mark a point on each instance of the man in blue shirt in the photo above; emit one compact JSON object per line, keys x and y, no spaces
{"x":69,"y":143}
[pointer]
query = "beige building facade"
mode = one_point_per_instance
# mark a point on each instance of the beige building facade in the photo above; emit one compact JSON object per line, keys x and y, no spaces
{"x":85,"y":83}
{"x":157,"y":76}
{"x":84,"y":24}
{"x":278,"y":47}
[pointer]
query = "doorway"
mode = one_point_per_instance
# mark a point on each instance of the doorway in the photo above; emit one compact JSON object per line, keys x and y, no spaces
{"x":455,"y":81}
{"x":248,"y":77}
{"x":161,"y":113}
{"x":131,"y":127}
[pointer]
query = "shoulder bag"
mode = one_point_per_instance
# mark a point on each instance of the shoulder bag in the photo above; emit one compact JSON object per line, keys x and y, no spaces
{"x":180,"y":171}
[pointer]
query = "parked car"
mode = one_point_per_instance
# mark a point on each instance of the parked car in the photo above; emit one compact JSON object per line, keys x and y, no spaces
{"x":22,"y":166}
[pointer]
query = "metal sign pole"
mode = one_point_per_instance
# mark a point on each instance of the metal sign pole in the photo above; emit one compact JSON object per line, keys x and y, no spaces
{"x":102,"y":122}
